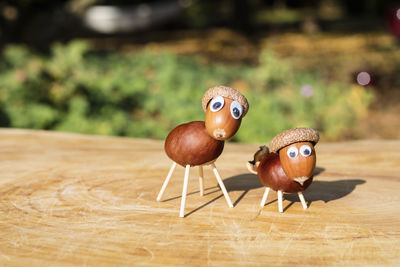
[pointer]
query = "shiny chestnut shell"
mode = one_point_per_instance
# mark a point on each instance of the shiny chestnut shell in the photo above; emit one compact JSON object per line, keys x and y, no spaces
{"x":190,"y":144}
{"x":271,"y":175}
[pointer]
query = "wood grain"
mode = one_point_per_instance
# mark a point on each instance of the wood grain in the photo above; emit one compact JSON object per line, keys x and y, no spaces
{"x":84,"y":200}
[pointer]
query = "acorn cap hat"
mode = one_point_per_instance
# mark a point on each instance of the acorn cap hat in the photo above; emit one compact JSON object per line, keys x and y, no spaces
{"x":291,"y":136}
{"x":227,"y":92}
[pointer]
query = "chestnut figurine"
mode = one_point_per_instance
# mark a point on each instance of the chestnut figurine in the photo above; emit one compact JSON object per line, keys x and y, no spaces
{"x":290,"y":166}
{"x":199,"y":143}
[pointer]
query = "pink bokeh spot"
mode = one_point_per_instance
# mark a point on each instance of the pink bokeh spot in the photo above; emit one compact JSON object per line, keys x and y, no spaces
{"x":363,"y":78}
{"x":307,"y":91}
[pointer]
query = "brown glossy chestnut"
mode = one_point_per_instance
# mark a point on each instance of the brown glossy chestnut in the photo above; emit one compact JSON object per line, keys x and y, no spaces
{"x":271,"y":174}
{"x":190,"y":144}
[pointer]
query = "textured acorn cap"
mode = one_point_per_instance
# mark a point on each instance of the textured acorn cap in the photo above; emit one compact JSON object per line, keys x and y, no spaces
{"x":227,"y":92}
{"x":291,"y":136}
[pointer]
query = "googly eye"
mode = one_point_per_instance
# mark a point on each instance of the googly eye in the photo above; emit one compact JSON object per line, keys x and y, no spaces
{"x":292,"y":152}
{"x":305,"y":150}
{"x":236,"y":110}
{"x":217,"y":103}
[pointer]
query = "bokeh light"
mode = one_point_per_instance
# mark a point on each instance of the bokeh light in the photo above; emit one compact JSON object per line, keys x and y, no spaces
{"x":307,"y":91}
{"x":363,"y":78}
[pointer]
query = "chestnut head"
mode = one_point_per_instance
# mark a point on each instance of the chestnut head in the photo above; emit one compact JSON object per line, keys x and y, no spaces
{"x":223,"y":117}
{"x":225,"y":108}
{"x":298,"y":161}
{"x":296,"y":152}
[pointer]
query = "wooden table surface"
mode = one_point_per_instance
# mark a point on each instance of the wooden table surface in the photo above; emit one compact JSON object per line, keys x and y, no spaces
{"x":69,"y":199}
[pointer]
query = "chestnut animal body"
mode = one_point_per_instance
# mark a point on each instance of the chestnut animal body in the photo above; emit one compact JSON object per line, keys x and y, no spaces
{"x":190,"y":144}
{"x":200,"y":143}
{"x":290,"y":166}
{"x":272,"y":175}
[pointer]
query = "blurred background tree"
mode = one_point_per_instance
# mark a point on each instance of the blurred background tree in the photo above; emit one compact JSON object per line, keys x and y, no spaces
{"x":38,"y":22}
{"x":138,"y":68}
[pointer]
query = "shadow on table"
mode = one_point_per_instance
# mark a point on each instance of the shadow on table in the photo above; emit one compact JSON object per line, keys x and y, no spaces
{"x":318,"y":190}
{"x":327,"y":190}
{"x":207,"y":191}
{"x":247,"y":182}
{"x":242,"y":182}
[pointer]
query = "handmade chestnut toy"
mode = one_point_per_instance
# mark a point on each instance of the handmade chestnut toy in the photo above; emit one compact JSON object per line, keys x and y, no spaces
{"x":199,"y":143}
{"x":290,"y":166}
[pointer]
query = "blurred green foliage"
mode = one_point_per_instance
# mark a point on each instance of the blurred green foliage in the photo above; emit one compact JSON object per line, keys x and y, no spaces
{"x":147,"y":93}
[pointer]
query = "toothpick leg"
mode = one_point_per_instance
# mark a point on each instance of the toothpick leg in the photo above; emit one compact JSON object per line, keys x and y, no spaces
{"x":303,"y":202}
{"x":201,"y":179}
{"x":264,"y":198}
{"x":221,"y":184}
{"x":184,"y":191}
{"x":280,"y":196}
{"x":171,"y":170}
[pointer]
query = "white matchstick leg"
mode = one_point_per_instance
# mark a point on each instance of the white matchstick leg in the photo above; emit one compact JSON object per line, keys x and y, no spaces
{"x":184,"y":192}
{"x":221,"y":184}
{"x":201,"y":179}
{"x":265,"y":196}
{"x":303,"y":201}
{"x":280,"y":196}
{"x":166,"y":181}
